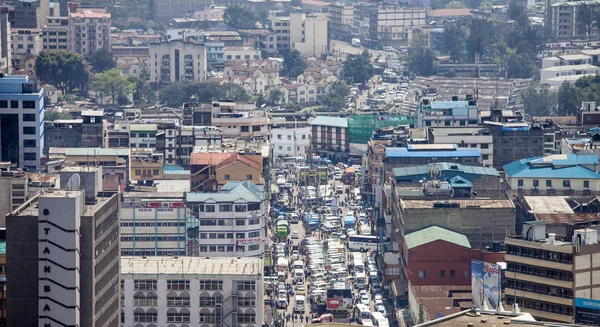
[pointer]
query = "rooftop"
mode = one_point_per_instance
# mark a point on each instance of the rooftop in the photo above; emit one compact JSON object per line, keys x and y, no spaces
{"x":566,"y":166}
{"x":89,"y":14}
{"x":472,"y":203}
{"x":449,"y":131}
{"x":449,"y":12}
{"x":435,"y":233}
{"x":215,"y":266}
{"x":477,"y":318}
{"x":574,"y":56}
{"x":330,"y":121}
{"x":396,"y":152}
{"x":548,"y":204}
{"x":570,"y":67}
{"x":449,"y":104}
{"x":230,"y":192}
{"x":443,"y":166}
{"x":96,"y":152}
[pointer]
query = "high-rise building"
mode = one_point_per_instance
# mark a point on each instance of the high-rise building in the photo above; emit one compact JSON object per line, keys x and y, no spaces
{"x":5,"y":52}
{"x":27,"y":13}
{"x":89,"y":30}
{"x":306,"y":33}
{"x":178,"y":60}
{"x":21,"y":115}
{"x":71,"y":236}
{"x":55,"y":34}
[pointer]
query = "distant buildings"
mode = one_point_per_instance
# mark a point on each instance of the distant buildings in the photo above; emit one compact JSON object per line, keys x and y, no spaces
{"x":418,"y":154}
{"x":167,"y":9}
{"x":89,"y":31}
{"x":56,"y":33}
{"x":561,"y":20}
{"x":341,"y":20}
{"x":210,"y":171}
{"x":386,"y":24}
{"x":306,"y":33}
{"x":473,"y":137}
{"x":88,"y":132}
{"x":329,"y":137}
{"x":178,"y":60}
{"x":453,"y":113}
{"x":290,"y":139}
{"x":27,"y":13}
{"x":5,"y":45}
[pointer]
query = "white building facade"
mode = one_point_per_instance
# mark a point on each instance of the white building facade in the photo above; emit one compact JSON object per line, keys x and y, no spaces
{"x":177,"y":60}
{"x":192,"y":291}
{"x":290,"y":142}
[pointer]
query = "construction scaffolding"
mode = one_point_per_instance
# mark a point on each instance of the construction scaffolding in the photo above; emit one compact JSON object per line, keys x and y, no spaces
{"x":360,"y":127}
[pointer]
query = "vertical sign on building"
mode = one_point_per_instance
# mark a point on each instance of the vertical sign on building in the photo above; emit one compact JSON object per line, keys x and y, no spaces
{"x":485,"y":284}
{"x":58,"y":233}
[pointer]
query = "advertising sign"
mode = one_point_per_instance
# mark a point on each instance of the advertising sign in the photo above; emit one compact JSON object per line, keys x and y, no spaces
{"x":485,"y":284}
{"x":248,"y":241}
{"x":587,"y":312}
{"x":339,"y":304}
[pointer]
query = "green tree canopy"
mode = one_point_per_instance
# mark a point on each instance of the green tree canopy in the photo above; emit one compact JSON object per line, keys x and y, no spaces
{"x":422,"y":62}
{"x":143,"y":94}
{"x":274,"y":97}
{"x":103,"y":60}
{"x":113,"y":83}
{"x":65,"y":70}
{"x":454,"y":34}
{"x":176,"y":94}
{"x":358,"y":68}
{"x":336,"y":96}
{"x":56,"y":115}
{"x":293,"y":63}
{"x":239,"y":18}
{"x":539,"y":102}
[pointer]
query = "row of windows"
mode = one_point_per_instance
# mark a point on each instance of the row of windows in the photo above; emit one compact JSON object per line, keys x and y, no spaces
{"x":539,"y":254}
{"x":228,"y":248}
{"x":153,"y":224}
{"x":223,"y":236}
{"x":448,"y":122}
{"x":451,"y":274}
{"x":151,"y":252}
{"x":539,"y":288}
{"x":152,"y":238}
{"x":14,"y":104}
{"x":289,"y":137}
{"x":228,"y":207}
{"x":565,"y":183}
{"x":151,"y":285}
{"x":140,"y":172}
{"x":539,"y":271}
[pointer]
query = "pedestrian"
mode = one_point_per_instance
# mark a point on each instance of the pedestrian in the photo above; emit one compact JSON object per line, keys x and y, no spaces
{"x":307,"y":319}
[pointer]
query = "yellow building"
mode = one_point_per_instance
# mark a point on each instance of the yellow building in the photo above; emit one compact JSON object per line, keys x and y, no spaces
{"x":211,"y":170}
{"x":146,"y":165}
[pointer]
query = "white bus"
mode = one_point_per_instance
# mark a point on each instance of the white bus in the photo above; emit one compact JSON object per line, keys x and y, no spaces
{"x":364,"y":314}
{"x":380,"y":320}
{"x":363,"y":243}
{"x":299,"y":303}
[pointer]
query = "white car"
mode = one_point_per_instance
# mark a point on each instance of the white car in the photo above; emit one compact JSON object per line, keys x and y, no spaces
{"x":381,"y":308}
{"x":295,"y":235}
{"x":364,"y":299}
{"x":337,"y":176}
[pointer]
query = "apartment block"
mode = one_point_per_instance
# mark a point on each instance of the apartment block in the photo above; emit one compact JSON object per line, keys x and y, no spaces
{"x":194,"y":291}
{"x":558,"y":74}
{"x":551,"y":276}
{"x":290,"y":139}
{"x":211,"y":171}
{"x":89,"y":31}
{"x":387,"y":24}
{"x":21,"y":117}
{"x":240,"y":120}
{"x":168,"y":9}
{"x":56,"y":34}
{"x":341,"y":19}
{"x":468,"y":137}
{"x":561,"y":19}
{"x":329,"y":136}
{"x":88,"y":132}
{"x":27,"y":13}
{"x":178,"y":60}
{"x":71,"y":236}
{"x":453,"y":113}
{"x":306,"y":33}
{"x":13,"y":192}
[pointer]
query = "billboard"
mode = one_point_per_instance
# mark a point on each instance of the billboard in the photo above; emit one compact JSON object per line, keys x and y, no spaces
{"x":587,"y":311}
{"x":485,"y":284}
{"x":335,"y":304}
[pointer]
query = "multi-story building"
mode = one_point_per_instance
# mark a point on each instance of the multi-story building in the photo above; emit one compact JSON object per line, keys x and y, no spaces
{"x":56,"y":34}
{"x":89,"y":31}
{"x":211,"y":171}
{"x":241,"y":53}
{"x":27,"y":44}
{"x":112,"y":161}
{"x":419,"y":154}
{"x":194,"y":291}
{"x":263,"y":39}
{"x":215,"y":55}
{"x":28,"y":13}
{"x":168,"y":9}
{"x":5,"y":45}
{"x":178,"y":60}
{"x":560,"y":174}
{"x":551,"y":276}
{"x":387,"y":24}
{"x":153,"y":224}
{"x":231,"y":221}
{"x":315,"y":6}
{"x":13,"y":192}
{"x":88,"y":132}
{"x":71,"y":236}
{"x":290,"y":138}
{"x":449,"y":113}
{"x":177,"y":142}
{"x":21,"y":122}
{"x":329,"y":136}
{"x":306,"y":33}
{"x":3,"y":282}
{"x":468,"y":137}
{"x":240,"y":120}
{"x":557,"y":74}
{"x":562,"y":20}
{"x":146,"y":165}
{"x":142,"y":136}
{"x":341,"y":19}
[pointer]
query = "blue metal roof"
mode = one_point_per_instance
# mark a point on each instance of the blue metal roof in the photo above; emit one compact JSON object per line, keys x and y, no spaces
{"x":458,"y":153}
{"x":457,"y":182}
{"x":557,"y":166}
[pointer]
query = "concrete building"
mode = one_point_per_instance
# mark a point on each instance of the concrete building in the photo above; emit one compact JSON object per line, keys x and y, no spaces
{"x":315,"y":6}
{"x":341,"y":19}
{"x":5,"y":45}
{"x":290,"y":138}
{"x":89,"y":31}
{"x":306,"y":33}
{"x":178,"y":60}
{"x":211,"y":171}
{"x":168,"y":9}
{"x":439,"y":256}
{"x":13,"y":192}
{"x":241,"y":53}
{"x":262,"y":39}
{"x":240,"y":120}
{"x":88,"y":132}
{"x":560,"y":174}
{"x":28,"y":13}
{"x":387,"y":24}
{"x":561,"y":20}
{"x":514,"y":141}
{"x":146,"y":165}
{"x":231,"y":222}
{"x":329,"y":136}
{"x":565,"y":72}
{"x":153,"y":224}
{"x":481,"y":221}
{"x":471,"y":137}
{"x":21,"y":122}
{"x":552,"y":276}
{"x":56,"y":34}
{"x":195,"y":291}
{"x":449,"y":113}
{"x":72,"y":237}
{"x":142,"y":136}
{"x":419,"y":154}
{"x":112,"y":161}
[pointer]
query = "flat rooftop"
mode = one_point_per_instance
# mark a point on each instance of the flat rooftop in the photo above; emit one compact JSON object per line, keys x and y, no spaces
{"x":450,"y":131}
{"x":30,"y":208}
{"x":191,"y":266}
{"x":472,"y":203}
{"x":548,"y":204}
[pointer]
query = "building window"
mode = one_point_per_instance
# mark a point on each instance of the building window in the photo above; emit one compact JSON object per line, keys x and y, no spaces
{"x":548,"y":183}
{"x":422,"y":274}
{"x":28,"y":117}
{"x":224,"y":207}
{"x":240,"y":235}
{"x":254,"y":247}
{"x":442,"y":274}
{"x":155,"y":172}
{"x":207,"y":318}
{"x":567,"y":183}
{"x":178,"y":317}
{"x":484,"y":146}
{"x":227,"y":177}
{"x":279,"y":136}
{"x":249,"y":177}
{"x":452,"y":274}
{"x":246,"y":318}
{"x":244,"y":129}
{"x":586,"y":184}
{"x":3,"y":104}
{"x":520,"y":183}
{"x":148,"y":300}
{"x":211,"y":301}
{"x":240,"y":222}
{"x":211,"y":285}
{"x":210,"y":208}
{"x":178,"y":285}
{"x":145,"y":317}
{"x":29,"y":130}
{"x":246,"y":286}
{"x":240,"y":208}
{"x":138,"y":172}
{"x":177,"y":301}
{"x":29,"y":104}
{"x":256,"y":128}
{"x":536,"y":183}
{"x":254,"y":234}
{"x":29,"y":143}
{"x":144,"y":285}
{"x":29,"y":156}
{"x":14,"y":104}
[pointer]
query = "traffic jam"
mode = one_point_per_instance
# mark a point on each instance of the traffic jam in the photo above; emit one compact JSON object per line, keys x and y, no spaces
{"x":324,"y":248}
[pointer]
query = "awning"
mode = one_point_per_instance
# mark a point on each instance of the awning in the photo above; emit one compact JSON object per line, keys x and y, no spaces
{"x":398,"y":287}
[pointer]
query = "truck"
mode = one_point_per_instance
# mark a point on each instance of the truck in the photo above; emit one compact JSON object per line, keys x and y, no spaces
{"x":356,"y":42}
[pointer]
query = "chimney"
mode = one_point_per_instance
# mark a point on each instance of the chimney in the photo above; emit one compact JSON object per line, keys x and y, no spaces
{"x":551,"y":238}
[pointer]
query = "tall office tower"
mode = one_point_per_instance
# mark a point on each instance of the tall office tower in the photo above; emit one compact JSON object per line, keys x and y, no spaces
{"x":71,"y":235}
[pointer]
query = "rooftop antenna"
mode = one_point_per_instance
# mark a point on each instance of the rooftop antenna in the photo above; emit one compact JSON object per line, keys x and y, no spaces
{"x":73,"y":183}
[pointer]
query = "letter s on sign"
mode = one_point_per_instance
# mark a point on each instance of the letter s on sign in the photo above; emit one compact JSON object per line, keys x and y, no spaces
{"x":46,"y":212}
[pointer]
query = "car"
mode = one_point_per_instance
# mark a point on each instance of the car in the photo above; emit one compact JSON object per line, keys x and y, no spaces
{"x":337,"y":176}
{"x":378,"y":296}
{"x":295,"y":235}
{"x":300,"y":291}
{"x":295,"y":255}
{"x":381,"y":308}
{"x":364,"y":300}
{"x":378,"y":302}
{"x":282,"y":302}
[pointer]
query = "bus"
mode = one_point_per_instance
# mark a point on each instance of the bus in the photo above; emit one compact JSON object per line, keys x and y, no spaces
{"x":293,"y":161}
{"x":283,"y":229}
{"x":349,"y":176}
{"x":364,"y":314}
{"x":364,"y":243}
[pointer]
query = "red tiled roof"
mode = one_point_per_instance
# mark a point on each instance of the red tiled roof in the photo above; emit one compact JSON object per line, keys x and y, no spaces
{"x":208,"y":158}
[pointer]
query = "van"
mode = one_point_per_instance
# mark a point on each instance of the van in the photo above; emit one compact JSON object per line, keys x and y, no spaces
{"x":339,"y":189}
{"x":299,"y":275}
{"x":298,"y":264}
{"x":299,"y":303}
{"x":361,"y":280}
{"x":374,"y":277}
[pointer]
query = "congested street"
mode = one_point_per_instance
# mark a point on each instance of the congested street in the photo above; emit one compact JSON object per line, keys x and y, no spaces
{"x":323,"y":247}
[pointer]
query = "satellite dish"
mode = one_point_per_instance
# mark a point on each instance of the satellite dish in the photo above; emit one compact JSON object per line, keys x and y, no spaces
{"x":73,"y":183}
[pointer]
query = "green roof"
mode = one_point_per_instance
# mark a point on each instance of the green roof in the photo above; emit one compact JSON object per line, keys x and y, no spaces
{"x":435,"y":233}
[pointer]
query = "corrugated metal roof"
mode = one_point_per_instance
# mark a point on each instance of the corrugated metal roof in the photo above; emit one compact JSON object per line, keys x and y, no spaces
{"x":230,"y":192}
{"x":435,"y":233}
{"x":330,"y":121}
{"x":392,"y":152}
{"x":442,"y":166}
{"x":555,"y":166}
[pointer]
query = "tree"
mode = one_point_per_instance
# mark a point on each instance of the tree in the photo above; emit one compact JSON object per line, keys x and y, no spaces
{"x":239,"y":18}
{"x":143,"y":94}
{"x":422,"y":62}
{"x":520,"y":65}
{"x":274,"y":97}
{"x":103,"y":60}
{"x":539,"y":102}
{"x":358,"y":68}
{"x":585,"y":19}
{"x":336,"y":96}
{"x":56,"y":115}
{"x":293,"y":63}
{"x":517,"y":13}
{"x":454,"y":34}
{"x":177,"y":93}
{"x":568,"y":99}
{"x":481,"y":35}
{"x":65,"y":70}
{"x":455,"y":5}
{"x":129,"y":10}
{"x":113,"y":83}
